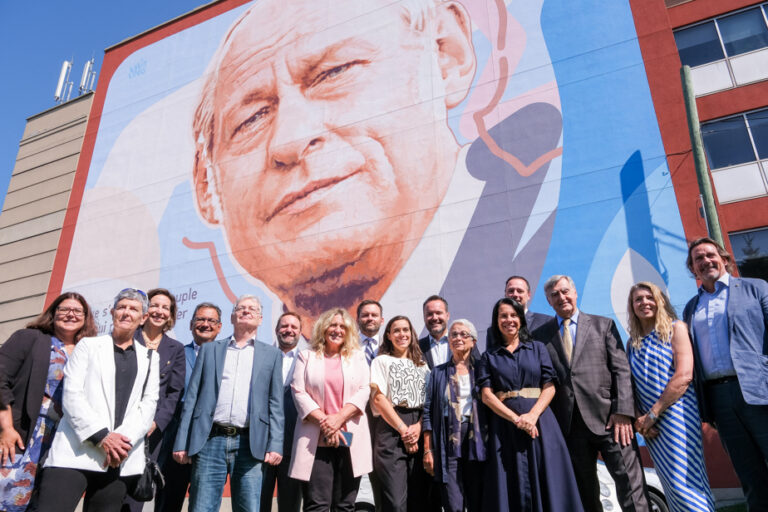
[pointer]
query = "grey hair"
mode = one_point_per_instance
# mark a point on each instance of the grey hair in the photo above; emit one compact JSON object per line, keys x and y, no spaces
{"x":466,"y":323}
{"x":552,"y":281}
{"x":207,"y":305}
{"x":133,"y":294}
{"x":246,"y":297}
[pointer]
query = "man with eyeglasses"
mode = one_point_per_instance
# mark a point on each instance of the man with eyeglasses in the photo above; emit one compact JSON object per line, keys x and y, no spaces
{"x":205,"y":326}
{"x":232,"y":421}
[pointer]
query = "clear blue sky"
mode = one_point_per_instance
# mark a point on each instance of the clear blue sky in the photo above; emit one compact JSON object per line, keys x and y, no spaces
{"x":37,"y":36}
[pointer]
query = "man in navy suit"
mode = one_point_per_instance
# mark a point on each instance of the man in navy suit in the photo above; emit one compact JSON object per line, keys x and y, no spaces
{"x":727,"y":320}
{"x":288,"y":334}
{"x":519,"y":289}
{"x":205,"y":325}
{"x":232,"y":421}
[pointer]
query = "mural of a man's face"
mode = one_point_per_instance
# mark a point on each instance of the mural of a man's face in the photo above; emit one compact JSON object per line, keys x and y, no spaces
{"x":326,"y":145}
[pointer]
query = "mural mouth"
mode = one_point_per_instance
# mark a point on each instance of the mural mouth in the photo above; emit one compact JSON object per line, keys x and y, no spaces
{"x":294,"y":199}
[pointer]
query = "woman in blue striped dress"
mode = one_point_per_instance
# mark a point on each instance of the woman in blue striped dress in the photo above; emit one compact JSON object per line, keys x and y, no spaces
{"x":661,"y":359}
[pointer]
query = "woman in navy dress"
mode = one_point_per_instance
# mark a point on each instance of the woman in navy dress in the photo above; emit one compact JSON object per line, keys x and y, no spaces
{"x":528,"y":465}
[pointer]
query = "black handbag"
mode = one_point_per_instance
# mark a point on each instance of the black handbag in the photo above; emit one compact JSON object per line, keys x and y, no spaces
{"x":149,"y":482}
{"x":151,"y":479}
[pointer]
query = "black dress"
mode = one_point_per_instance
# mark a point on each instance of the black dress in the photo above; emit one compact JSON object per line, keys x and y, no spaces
{"x":525,"y":474}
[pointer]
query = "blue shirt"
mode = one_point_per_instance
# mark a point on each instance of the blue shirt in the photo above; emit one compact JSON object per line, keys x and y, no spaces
{"x":710,"y":329}
{"x":571,"y":326}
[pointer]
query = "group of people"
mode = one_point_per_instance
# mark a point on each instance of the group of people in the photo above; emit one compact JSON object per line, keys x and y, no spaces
{"x":435,"y":423}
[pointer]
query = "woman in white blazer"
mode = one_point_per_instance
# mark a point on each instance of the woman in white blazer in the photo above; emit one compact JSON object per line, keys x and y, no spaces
{"x":331,"y":443}
{"x":107,"y":411}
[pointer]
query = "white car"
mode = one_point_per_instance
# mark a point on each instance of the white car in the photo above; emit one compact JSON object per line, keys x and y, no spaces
{"x":607,"y":492}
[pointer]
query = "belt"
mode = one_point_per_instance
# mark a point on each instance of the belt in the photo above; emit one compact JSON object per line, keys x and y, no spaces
{"x":720,"y":380}
{"x":227,"y":430}
{"x":523,"y":393}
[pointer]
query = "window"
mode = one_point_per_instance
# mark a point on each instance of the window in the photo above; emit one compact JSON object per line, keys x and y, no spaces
{"x":743,"y":32}
{"x":727,"y":51}
{"x":750,"y":249}
{"x":737,"y":152}
{"x":699,"y":44}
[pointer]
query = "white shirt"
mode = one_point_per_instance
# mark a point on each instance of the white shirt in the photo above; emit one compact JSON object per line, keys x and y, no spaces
{"x":289,"y":362}
{"x":234,"y":392}
{"x":439,"y":350}
{"x":465,"y":390}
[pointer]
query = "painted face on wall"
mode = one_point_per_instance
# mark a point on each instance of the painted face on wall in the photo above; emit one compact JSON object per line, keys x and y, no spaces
{"x":327,"y":148}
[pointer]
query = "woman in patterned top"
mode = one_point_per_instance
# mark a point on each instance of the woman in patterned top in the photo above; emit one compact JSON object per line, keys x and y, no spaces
{"x":398,"y":388}
{"x":31,"y":369}
{"x":661,"y":359}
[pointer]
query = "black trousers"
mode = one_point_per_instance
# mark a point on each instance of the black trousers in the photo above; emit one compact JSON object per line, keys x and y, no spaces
{"x":622,"y":462}
{"x":463,"y":487}
{"x":288,"y":489}
{"x":405,"y":486}
{"x":331,"y":486}
{"x":171,"y":497}
{"x":61,"y":489}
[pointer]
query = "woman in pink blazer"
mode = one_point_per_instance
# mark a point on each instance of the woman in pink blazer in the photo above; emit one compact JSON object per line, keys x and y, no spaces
{"x":332,"y":443}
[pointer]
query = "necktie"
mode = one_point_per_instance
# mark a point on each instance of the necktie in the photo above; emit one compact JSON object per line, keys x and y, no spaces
{"x":567,"y":340}
{"x":369,"y":350}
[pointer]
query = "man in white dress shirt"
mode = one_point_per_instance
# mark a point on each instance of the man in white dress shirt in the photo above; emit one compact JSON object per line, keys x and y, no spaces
{"x":288,"y":340}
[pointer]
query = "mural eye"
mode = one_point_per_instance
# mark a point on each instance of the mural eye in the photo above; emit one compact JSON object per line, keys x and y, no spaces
{"x":252,"y":120}
{"x":334,"y":72}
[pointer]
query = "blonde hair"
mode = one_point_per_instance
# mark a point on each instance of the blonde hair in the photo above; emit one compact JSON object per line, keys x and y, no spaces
{"x":665,"y":314}
{"x":317,"y":343}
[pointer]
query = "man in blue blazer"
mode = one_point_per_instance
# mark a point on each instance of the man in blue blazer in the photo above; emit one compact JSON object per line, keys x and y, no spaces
{"x":205,"y":325}
{"x":727,"y":319}
{"x":232,"y":420}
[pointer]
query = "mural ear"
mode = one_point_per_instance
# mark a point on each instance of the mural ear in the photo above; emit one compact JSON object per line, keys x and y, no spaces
{"x":206,"y":195}
{"x":456,"y":55}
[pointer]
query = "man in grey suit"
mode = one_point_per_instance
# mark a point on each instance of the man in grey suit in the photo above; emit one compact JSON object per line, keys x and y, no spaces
{"x":593,"y":403}
{"x":519,"y":289}
{"x":232,"y":420}
{"x":727,"y":319}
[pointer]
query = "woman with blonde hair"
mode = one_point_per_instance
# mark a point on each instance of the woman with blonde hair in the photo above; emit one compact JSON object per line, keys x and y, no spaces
{"x":332,"y":443}
{"x":661,"y":359}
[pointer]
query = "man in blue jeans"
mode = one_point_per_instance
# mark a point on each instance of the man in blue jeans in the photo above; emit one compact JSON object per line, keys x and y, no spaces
{"x":232,"y":420}
{"x":727,"y":319}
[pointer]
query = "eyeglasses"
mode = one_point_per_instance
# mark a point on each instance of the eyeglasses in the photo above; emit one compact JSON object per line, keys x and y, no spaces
{"x":201,"y":320}
{"x":250,"y":309}
{"x":464,"y":335}
{"x":78,"y":312}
